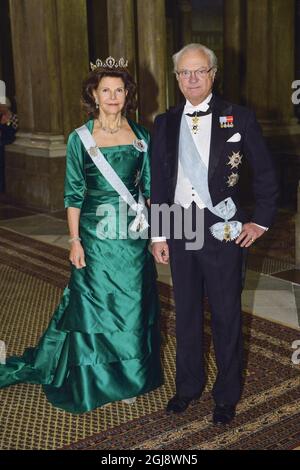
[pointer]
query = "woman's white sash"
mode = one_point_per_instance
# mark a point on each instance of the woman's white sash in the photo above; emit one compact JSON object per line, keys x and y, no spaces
{"x":140,"y":222}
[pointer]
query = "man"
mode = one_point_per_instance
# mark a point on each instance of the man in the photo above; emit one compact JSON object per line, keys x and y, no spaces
{"x":198,"y":149}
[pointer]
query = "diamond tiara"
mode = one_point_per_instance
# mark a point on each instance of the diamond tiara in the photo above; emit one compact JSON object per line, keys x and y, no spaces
{"x":110,"y":63}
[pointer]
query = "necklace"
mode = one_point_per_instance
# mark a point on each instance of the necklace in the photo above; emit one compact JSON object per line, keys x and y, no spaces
{"x":106,"y":129}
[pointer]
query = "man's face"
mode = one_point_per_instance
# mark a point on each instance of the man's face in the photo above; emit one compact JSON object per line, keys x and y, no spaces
{"x":195,"y":86}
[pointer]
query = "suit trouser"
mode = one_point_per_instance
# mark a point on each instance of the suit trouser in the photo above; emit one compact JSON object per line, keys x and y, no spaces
{"x":216,"y":270}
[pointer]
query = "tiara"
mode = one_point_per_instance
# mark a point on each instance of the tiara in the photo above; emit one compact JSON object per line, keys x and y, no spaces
{"x":110,"y":63}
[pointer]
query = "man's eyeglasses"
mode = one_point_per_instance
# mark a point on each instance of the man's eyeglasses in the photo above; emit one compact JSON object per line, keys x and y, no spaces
{"x":199,"y":73}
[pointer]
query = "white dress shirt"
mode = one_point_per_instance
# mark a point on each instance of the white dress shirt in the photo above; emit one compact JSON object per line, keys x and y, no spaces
{"x":185,"y":194}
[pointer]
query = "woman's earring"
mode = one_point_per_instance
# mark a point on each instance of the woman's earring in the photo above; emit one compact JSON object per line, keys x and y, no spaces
{"x":97,"y":104}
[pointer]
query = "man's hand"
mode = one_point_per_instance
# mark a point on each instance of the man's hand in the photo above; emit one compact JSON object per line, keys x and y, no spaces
{"x":249,"y":234}
{"x":160,"y":251}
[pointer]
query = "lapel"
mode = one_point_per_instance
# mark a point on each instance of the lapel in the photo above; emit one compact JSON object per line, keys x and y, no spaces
{"x":219,"y":135}
{"x":173,"y":130}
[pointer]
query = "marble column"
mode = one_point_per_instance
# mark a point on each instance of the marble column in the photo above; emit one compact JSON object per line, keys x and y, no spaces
{"x":297,"y":51}
{"x":48,"y":84}
{"x":6,"y":66}
{"x":270,"y":68}
{"x":98,"y":29}
{"x":297,"y":226}
{"x":121,"y":31}
{"x":152,"y":59}
{"x":185,"y":9}
{"x":297,"y":114}
{"x":234,"y":49}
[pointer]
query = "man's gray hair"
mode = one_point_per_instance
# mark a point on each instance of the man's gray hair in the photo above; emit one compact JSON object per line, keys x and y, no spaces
{"x":196,"y":47}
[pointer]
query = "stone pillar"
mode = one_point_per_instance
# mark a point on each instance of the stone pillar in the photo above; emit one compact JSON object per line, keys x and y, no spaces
{"x":270,"y":68}
{"x":121,"y":33}
{"x":185,"y":8}
{"x":98,"y":29}
{"x":48,"y":85}
{"x":234,"y":50}
{"x":74,"y":57}
{"x":297,"y":226}
{"x":152,"y":59}
{"x":6,"y":65}
{"x":297,"y":51}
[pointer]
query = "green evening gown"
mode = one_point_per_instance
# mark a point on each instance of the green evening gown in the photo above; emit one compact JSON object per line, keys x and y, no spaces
{"x":102,"y":343}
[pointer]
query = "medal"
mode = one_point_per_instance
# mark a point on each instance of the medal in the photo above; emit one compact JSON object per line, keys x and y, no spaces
{"x":226,"y":121}
{"x":196,"y":119}
{"x":227,"y":234}
{"x":232,"y":179}
{"x":235,"y":160}
{"x":195,"y":124}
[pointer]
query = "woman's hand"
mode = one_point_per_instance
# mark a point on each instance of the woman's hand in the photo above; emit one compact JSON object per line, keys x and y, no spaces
{"x":76,"y":255}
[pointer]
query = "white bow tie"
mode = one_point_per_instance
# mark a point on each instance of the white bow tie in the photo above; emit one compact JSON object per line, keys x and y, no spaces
{"x":191,"y":109}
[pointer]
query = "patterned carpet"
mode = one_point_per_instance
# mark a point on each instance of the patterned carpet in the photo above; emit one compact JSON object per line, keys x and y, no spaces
{"x":279,"y":242}
{"x":32,"y":276}
{"x":275,"y":251}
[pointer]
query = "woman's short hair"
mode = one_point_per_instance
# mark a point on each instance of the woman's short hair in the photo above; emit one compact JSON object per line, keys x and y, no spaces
{"x":92,"y":82}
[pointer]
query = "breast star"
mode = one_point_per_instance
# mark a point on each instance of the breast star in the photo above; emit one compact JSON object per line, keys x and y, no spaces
{"x":137,"y":178}
{"x":232,"y":179}
{"x":235,"y":160}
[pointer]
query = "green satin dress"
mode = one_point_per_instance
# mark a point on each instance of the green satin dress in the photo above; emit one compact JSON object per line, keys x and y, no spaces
{"x":102,"y":343}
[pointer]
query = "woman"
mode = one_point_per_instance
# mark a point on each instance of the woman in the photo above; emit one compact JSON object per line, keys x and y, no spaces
{"x":102,"y":343}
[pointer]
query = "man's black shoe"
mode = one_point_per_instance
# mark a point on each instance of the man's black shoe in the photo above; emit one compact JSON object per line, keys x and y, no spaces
{"x":223,"y":414}
{"x":179,"y":404}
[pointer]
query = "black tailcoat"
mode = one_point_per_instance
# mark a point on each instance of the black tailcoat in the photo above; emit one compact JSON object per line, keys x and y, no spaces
{"x":252,"y":146}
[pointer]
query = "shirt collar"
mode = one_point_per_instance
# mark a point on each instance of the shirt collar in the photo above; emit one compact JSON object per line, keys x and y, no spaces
{"x":203,"y":106}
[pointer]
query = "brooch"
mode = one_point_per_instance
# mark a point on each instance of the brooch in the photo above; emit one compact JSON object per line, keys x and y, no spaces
{"x":140,"y":145}
{"x":93,"y":151}
{"x":235,"y":160}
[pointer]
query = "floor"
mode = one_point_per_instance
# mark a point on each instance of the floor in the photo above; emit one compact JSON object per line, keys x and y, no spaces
{"x":272,"y":293}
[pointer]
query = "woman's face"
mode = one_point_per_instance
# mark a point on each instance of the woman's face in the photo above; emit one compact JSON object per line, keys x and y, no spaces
{"x":111,"y":95}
